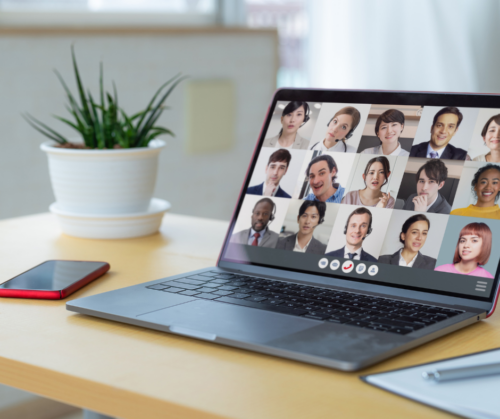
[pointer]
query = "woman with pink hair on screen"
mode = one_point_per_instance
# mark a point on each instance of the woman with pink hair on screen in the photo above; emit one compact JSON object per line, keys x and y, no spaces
{"x":473,"y":249}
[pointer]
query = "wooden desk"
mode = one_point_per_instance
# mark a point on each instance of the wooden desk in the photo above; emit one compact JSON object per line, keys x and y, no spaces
{"x":130,"y":372}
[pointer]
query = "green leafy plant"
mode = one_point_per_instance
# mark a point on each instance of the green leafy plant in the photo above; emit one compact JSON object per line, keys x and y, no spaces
{"x":105,"y":125}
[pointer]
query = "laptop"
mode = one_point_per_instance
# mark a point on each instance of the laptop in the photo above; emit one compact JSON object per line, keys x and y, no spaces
{"x":367,"y":224}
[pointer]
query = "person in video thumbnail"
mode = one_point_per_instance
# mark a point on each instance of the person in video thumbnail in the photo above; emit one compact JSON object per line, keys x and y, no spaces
{"x":388,"y":129}
{"x":259,"y":233}
{"x":311,"y":214}
{"x":430,"y":179}
{"x":322,"y":172}
{"x":357,"y":228}
{"x":486,"y":188}
{"x":473,"y":249}
{"x":294,"y":116}
{"x":413,"y":236}
{"x":340,"y":128}
{"x":276,"y":168}
{"x":376,"y":175}
{"x":444,"y":127}
{"x":491,"y":138}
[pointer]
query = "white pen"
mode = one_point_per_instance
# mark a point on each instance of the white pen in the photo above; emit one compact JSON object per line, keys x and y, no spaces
{"x":462,"y":372}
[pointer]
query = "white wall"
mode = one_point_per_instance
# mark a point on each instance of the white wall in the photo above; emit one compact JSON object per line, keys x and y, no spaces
{"x":139,"y":61}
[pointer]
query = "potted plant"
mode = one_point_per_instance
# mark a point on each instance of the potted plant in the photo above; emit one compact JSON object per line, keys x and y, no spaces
{"x":110,"y":170}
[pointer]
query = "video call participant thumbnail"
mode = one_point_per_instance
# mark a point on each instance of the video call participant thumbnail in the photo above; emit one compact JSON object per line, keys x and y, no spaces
{"x":473,"y":249}
{"x":376,"y":175}
{"x":444,"y":126}
{"x":486,"y":188}
{"x":294,"y":116}
{"x":259,"y":233}
{"x":311,"y":214}
{"x":276,"y":168}
{"x":340,"y":128}
{"x":491,"y":138}
{"x":430,"y":179}
{"x":322,"y":172}
{"x":388,"y":129}
{"x":357,"y":228}
{"x":413,"y":236}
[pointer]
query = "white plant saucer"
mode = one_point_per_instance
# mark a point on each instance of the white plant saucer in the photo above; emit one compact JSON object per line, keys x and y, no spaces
{"x":109,"y":226}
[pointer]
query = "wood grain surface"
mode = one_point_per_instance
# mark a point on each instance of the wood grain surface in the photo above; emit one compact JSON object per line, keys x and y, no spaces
{"x":131,"y":372}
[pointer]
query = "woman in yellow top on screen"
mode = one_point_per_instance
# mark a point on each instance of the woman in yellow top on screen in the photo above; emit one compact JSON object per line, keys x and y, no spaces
{"x":486,"y":188}
{"x":376,"y":175}
{"x":388,"y":129}
{"x":294,"y":116}
{"x":339,"y":130}
{"x":491,"y":138}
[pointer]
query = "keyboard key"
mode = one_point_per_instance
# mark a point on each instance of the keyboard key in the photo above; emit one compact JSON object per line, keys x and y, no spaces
{"x":189,"y":293}
{"x":400,"y":331}
{"x":223,"y":292}
{"x":189,"y":281}
{"x":174,"y":289}
{"x":208,"y":274}
{"x":207,"y":296}
{"x":220,"y":281}
{"x":238,"y":295}
{"x":157,"y":287}
{"x":317,"y":315}
{"x":256,"y":299}
{"x":211,"y":285}
{"x":205,"y":289}
{"x":186,"y":286}
{"x":336,"y":319}
{"x":199,"y":277}
{"x":274,"y":301}
{"x":227,"y":288}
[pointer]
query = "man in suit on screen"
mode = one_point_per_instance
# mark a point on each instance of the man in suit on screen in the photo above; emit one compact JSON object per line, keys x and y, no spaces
{"x":259,"y":233}
{"x":357,"y":228}
{"x":444,"y":126}
{"x":276,"y":168}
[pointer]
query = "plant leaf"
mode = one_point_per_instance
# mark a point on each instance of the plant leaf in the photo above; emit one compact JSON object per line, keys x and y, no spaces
{"x":53,"y":135}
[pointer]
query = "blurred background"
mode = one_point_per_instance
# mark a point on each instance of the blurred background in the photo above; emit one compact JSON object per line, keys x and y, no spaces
{"x":236,"y":52}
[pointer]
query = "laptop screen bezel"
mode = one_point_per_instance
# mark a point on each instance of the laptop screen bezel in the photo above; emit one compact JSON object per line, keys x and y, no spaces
{"x":473,"y":100}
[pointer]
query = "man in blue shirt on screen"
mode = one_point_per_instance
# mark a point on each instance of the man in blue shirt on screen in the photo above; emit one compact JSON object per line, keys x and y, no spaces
{"x":322,"y":172}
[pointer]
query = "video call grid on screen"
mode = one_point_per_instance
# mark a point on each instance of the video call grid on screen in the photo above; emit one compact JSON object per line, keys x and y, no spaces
{"x":399,"y":169}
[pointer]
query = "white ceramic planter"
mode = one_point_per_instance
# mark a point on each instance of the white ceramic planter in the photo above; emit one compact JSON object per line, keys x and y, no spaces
{"x":112,"y":226}
{"x":103,"y":182}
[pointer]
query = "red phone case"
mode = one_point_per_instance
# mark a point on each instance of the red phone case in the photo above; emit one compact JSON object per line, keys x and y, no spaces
{"x":55,"y":294}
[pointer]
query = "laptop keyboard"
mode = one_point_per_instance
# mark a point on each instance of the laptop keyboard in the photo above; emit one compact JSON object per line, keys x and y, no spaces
{"x":361,"y":310}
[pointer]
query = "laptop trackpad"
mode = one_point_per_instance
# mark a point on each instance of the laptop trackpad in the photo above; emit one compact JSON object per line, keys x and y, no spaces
{"x":206,"y":319}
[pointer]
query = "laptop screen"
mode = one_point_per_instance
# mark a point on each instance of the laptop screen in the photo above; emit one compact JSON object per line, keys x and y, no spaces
{"x":398,"y":189}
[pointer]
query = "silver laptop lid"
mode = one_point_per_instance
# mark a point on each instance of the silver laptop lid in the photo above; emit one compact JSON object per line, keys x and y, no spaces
{"x":392,"y":188}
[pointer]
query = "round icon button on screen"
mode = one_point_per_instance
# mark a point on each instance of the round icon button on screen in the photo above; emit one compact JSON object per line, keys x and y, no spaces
{"x":373,"y":270}
{"x":347,"y":266}
{"x":323,"y":263}
{"x":334,"y":265}
{"x":361,"y":268}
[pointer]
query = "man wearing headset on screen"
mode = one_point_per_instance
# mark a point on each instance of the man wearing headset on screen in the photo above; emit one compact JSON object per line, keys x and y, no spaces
{"x":340,"y":128}
{"x":259,"y":234}
{"x":357,"y":228}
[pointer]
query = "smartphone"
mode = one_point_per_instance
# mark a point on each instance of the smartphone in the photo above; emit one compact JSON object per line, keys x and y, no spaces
{"x":53,"y":279}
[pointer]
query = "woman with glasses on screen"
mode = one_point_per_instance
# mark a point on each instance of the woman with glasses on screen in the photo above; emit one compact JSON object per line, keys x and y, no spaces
{"x":473,"y":249}
{"x":388,"y":129}
{"x":294,"y":116}
{"x":413,"y":235}
{"x":376,"y":175}
{"x":340,"y":128}
{"x":491,"y":138}
{"x":486,"y":189}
